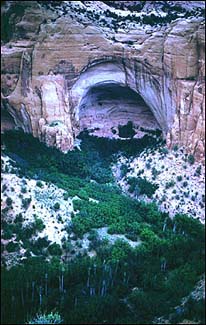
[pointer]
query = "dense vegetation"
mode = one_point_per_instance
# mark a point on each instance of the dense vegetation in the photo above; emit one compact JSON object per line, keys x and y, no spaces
{"x":8,"y":24}
{"x":113,"y":20}
{"x":173,"y":11}
{"x":121,"y":284}
{"x":90,"y":290}
{"x":92,"y":163}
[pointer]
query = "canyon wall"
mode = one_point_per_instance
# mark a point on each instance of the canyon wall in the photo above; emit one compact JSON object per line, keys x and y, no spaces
{"x":54,"y":56}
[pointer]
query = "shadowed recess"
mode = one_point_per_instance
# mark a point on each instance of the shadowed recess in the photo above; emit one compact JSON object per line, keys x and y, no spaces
{"x":108,"y":105}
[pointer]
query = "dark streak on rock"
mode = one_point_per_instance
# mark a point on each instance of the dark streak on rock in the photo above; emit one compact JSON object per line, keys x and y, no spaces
{"x":25,"y":75}
{"x":68,"y":70}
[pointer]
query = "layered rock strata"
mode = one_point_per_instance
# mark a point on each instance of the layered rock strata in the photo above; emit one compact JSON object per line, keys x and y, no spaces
{"x":52,"y":58}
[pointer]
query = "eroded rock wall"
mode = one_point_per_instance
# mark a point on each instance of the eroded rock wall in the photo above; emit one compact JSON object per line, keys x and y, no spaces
{"x":54,"y":56}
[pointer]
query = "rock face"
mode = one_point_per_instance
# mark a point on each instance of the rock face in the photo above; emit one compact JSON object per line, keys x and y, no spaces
{"x":60,"y":59}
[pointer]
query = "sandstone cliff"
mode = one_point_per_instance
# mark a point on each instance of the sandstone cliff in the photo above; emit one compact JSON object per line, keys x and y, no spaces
{"x":60,"y":58}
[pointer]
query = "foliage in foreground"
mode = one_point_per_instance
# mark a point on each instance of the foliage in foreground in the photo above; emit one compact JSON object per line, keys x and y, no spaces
{"x":121,"y":284}
{"x":52,"y":318}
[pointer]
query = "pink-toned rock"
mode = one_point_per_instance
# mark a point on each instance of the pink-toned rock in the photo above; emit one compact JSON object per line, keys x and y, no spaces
{"x":53,"y":62}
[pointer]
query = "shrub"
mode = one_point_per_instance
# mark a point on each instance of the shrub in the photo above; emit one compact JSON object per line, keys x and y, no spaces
{"x":175,"y":147}
{"x":93,"y":235}
{"x":27,"y":232}
{"x":9,"y":201}
{"x":163,"y":198}
{"x":19,"y":218}
{"x":47,"y":319}
{"x":142,"y":186}
{"x":60,"y":219}
{"x":54,"y":249}
{"x":185,"y":183}
{"x":12,"y":247}
{"x":38,"y":224}
{"x":23,"y":189}
{"x":126,"y":131}
{"x":131,"y":236}
{"x":42,"y":242}
{"x":119,"y":250}
{"x":7,"y":233}
{"x":26,"y":202}
{"x":201,"y":204}
{"x":39,"y":184}
{"x":154,"y":172}
{"x":191,"y":159}
{"x":170,"y":184}
{"x":4,"y":187}
{"x":56,"y":206}
{"x":117,"y":228}
{"x":83,"y":194}
{"x":79,"y":244}
{"x":66,"y":196}
{"x":148,"y":165}
{"x":147,"y":235}
{"x":186,"y":194}
{"x":67,"y":246}
{"x":198,"y":171}
{"x":27,"y":254}
{"x":164,"y":151}
{"x":124,"y":170}
{"x":179,"y":178}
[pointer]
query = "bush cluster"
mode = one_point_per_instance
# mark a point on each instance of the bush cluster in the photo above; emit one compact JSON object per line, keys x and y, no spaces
{"x":140,"y":186}
{"x":164,"y":266}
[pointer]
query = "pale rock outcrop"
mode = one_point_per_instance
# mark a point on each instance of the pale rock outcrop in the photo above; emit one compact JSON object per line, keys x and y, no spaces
{"x":55,"y":135}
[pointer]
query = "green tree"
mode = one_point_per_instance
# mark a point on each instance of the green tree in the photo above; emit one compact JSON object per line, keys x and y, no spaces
{"x":54,"y":249}
{"x":119,"y":250}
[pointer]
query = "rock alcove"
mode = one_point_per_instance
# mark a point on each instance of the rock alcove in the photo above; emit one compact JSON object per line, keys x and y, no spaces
{"x":111,"y":93}
{"x":107,"y":106}
{"x":52,"y":61}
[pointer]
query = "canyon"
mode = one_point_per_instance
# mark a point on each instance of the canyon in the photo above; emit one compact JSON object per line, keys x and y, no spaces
{"x":103,"y":153}
{"x":70,"y":66}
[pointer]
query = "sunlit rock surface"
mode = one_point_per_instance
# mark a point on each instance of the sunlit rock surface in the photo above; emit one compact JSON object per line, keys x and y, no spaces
{"x":59,"y":58}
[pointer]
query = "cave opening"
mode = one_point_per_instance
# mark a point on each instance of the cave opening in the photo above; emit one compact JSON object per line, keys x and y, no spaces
{"x":106,"y":108}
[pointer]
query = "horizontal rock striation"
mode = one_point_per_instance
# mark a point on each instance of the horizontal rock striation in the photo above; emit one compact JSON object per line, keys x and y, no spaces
{"x":54,"y":56}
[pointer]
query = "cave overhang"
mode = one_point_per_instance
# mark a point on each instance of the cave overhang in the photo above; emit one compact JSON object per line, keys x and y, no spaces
{"x":136,"y":77}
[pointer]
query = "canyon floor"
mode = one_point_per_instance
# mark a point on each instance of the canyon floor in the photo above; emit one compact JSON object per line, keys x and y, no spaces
{"x":90,"y":203}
